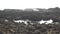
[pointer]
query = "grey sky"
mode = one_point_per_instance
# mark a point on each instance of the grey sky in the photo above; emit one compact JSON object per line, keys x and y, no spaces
{"x":22,"y":4}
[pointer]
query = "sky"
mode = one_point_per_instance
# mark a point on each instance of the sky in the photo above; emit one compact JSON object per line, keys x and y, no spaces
{"x":22,"y":4}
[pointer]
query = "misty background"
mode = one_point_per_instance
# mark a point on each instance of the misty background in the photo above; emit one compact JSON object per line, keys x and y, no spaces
{"x":29,"y":12}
